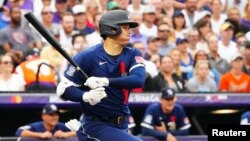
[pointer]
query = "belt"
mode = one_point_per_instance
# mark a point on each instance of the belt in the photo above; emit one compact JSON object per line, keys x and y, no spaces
{"x":114,"y":120}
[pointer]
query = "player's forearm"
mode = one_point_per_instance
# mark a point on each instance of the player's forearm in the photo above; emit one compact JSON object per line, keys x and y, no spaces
{"x":134,"y":80}
{"x":73,"y":93}
{"x":30,"y":134}
{"x":154,"y":133}
{"x":70,"y":134}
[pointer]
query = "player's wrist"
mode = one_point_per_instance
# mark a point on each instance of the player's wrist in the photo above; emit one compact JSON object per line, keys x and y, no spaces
{"x":85,"y":97}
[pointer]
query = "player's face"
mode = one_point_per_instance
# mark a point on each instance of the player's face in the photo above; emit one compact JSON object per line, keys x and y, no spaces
{"x":51,"y":119}
{"x":124,"y":37}
{"x":168,"y":104}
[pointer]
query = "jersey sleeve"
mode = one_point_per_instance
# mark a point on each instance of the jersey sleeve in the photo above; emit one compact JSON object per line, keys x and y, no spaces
{"x":151,"y":120}
{"x":74,"y":75}
{"x":62,"y":127}
{"x":136,"y":61}
{"x":25,"y":127}
{"x":183,"y":123}
{"x":244,"y":119}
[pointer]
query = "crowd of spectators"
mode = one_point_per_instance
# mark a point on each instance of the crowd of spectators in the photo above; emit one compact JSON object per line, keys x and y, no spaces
{"x":188,"y":45}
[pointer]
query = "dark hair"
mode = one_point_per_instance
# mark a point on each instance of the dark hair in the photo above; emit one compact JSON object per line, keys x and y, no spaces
{"x":174,"y":25}
{"x":201,"y":23}
{"x":75,"y":36}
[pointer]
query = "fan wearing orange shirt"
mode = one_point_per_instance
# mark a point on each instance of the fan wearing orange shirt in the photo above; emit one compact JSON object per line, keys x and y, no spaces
{"x":235,"y":80}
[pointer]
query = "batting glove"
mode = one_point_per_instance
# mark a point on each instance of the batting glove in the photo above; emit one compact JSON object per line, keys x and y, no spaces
{"x":95,"y":82}
{"x":73,"y":125}
{"x":94,"y":96}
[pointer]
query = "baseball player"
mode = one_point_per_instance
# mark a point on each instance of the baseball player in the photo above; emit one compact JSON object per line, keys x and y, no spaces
{"x":114,"y":69}
{"x":49,"y":127}
{"x":165,"y":119}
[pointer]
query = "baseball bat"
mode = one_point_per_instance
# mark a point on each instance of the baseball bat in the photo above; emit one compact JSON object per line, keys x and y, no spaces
{"x":52,"y":40}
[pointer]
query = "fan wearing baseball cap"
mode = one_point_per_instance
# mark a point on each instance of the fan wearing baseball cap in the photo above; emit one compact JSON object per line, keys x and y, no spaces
{"x":165,"y":119}
{"x":235,"y":80}
{"x":49,"y":127}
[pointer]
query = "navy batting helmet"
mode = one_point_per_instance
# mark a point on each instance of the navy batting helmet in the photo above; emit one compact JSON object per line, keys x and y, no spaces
{"x":110,"y":21}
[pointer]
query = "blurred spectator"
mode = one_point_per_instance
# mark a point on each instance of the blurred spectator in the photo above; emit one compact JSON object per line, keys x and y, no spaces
{"x":35,"y":67}
{"x":149,"y":65}
{"x":79,"y":43}
{"x":79,"y":12}
{"x":246,"y":18}
{"x":153,"y":47}
{"x":158,"y":8}
{"x":168,"y":8}
{"x":92,"y":8}
{"x":204,"y":27}
{"x":186,"y":58}
{"x":40,"y":4}
{"x":235,"y":80}
{"x":179,"y":24}
{"x":245,"y":118}
{"x":135,"y":34}
{"x":48,"y":128}
{"x":165,"y":119}
{"x":123,"y":4}
{"x":67,"y":31}
{"x":71,"y":4}
{"x":190,"y":12}
{"x":217,"y":18}
{"x":155,"y":58}
{"x":220,"y":64}
{"x":47,"y":21}
{"x":54,"y":58}
{"x":227,"y":47}
{"x":213,"y":73}
{"x":135,"y":6}
{"x":26,"y":5}
{"x":165,"y":78}
{"x":96,"y":34}
{"x":201,"y":81}
{"x":175,"y":54}
{"x":103,"y":4}
{"x":14,"y":38}
{"x":148,"y":27}
{"x":240,"y":41}
{"x":112,"y":5}
{"x":246,"y":58}
{"x":192,"y":36}
{"x":239,"y":4}
{"x":61,"y":8}
{"x":4,"y":17}
{"x":9,"y":81}
{"x":164,"y":33}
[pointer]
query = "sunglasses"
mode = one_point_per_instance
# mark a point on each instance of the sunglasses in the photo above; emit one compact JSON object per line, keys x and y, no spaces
{"x":46,"y":13}
{"x":164,"y":31}
{"x":7,"y":62}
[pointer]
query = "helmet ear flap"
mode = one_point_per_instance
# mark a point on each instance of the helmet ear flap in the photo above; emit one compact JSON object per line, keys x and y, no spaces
{"x":111,"y":30}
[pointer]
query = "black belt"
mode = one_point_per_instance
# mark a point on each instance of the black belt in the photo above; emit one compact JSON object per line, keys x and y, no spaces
{"x":114,"y":120}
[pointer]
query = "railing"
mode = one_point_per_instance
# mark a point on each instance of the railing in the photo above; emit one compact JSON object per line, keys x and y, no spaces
{"x":188,"y":99}
{"x":180,"y":138}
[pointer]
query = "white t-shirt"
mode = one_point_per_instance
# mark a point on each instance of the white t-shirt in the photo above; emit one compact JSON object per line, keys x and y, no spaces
{"x":148,"y":31}
{"x":217,"y":24}
{"x":13,"y":84}
{"x":227,"y":52}
{"x":93,"y":39}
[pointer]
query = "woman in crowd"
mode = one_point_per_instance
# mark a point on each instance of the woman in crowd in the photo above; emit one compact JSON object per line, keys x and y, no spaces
{"x":9,"y":81}
{"x":165,"y":78}
{"x":201,"y":82}
{"x":212,"y":72}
